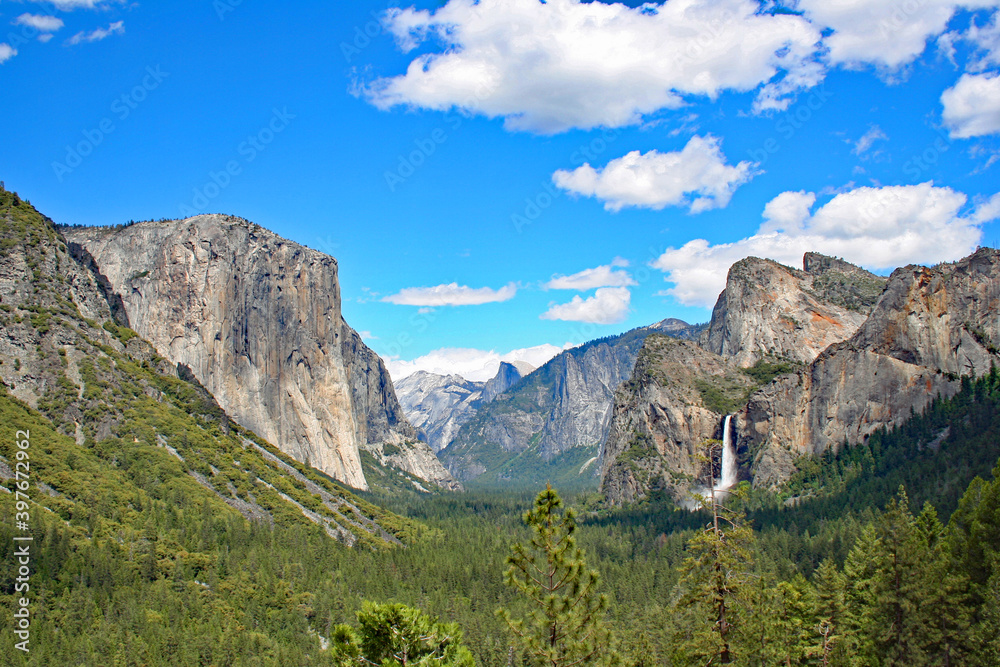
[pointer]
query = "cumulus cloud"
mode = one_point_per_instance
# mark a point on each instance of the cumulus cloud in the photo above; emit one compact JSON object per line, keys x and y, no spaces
{"x":868,"y":140}
{"x":609,"y":305}
{"x":470,"y":363}
{"x":887,"y":34}
{"x":549,"y":67}
{"x":7,"y":52}
{"x":972,"y":106}
{"x":601,"y":276}
{"x":878,"y":228}
{"x":40,"y":22}
{"x":696,"y":177}
{"x":452,"y":294}
{"x":116,"y":28}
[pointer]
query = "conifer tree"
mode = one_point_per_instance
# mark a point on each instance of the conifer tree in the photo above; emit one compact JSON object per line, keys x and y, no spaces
{"x":565,"y":625}
{"x":396,"y":635}
{"x":714,"y":579}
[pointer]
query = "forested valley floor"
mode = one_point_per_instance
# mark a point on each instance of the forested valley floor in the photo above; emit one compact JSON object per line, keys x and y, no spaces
{"x":887,"y":553}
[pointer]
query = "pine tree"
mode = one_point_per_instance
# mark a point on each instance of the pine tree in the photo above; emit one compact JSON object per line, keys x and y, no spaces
{"x":712,"y":590}
{"x":394,"y":634}
{"x":565,"y":626}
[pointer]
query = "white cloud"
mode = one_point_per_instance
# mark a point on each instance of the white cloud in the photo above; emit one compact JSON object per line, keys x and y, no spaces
{"x":116,"y":28}
{"x":882,"y":32}
{"x":549,"y":67}
{"x":609,"y":305}
{"x":972,"y":106}
{"x":470,"y":363}
{"x":7,"y":52}
{"x":40,"y":22}
{"x":987,"y":210}
{"x":70,"y":5}
{"x":452,"y":294}
{"x":986,"y":40}
{"x":878,"y":228}
{"x":696,"y":177}
{"x":601,"y":276}
{"x":867,"y":140}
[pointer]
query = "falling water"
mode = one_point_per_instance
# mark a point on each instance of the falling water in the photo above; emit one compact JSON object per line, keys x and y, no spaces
{"x":727,"y":478}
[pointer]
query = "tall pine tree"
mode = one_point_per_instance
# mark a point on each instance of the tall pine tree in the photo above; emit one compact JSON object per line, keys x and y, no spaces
{"x":565,"y":624}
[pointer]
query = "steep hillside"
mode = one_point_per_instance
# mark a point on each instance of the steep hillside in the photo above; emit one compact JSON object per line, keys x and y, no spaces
{"x":119,"y":406}
{"x":676,"y":398}
{"x":257,"y":320}
{"x":550,"y":425}
{"x":771,"y":311}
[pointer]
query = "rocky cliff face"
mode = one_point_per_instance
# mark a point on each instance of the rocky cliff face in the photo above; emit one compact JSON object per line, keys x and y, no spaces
{"x":771,"y":311}
{"x":767,"y":313}
{"x":554,"y":419}
{"x":661,"y":417}
{"x":930,"y":326}
{"x":257,"y":320}
{"x":438,"y":405}
{"x":507,"y":376}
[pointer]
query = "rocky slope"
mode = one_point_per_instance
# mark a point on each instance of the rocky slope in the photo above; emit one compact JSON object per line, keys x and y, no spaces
{"x":438,"y":405}
{"x":661,"y":417}
{"x":927,"y":328}
{"x":257,"y":320}
{"x":550,"y":426}
{"x":930,"y":326}
{"x":121,"y":435}
{"x":772,"y":311}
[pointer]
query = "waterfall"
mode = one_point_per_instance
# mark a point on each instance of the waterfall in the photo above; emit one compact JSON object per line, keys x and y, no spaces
{"x":727,"y":478}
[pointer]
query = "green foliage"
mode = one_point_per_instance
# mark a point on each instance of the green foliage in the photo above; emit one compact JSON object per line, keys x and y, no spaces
{"x":853,"y":291}
{"x":721,"y":395}
{"x":565,"y":625}
{"x":764,"y":370}
{"x":394,"y":634}
{"x":713,"y":594}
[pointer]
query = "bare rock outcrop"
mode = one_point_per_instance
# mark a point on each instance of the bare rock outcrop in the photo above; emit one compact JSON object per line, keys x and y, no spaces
{"x":661,"y":418}
{"x":772,"y":311}
{"x":930,"y":326}
{"x":258,"y":321}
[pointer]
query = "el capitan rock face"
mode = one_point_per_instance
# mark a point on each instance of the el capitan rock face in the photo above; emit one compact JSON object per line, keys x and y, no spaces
{"x":257,"y":319}
{"x":930,"y":326}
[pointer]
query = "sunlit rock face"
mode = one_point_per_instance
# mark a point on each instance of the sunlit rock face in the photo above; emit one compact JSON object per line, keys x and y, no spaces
{"x":257,"y":319}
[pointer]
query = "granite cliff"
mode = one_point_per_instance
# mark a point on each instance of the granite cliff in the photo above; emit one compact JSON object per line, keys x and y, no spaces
{"x":661,"y":417}
{"x":438,"y":405}
{"x":930,"y":326}
{"x":257,"y":320}
{"x":550,"y":425}
{"x":833,"y":353}
{"x":772,"y":311}
{"x":123,"y":437}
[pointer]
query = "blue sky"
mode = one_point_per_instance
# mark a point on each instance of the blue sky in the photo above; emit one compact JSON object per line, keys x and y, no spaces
{"x":503,"y":178}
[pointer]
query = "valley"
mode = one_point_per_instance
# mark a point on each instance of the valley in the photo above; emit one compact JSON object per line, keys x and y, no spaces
{"x":223,"y":473}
